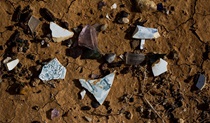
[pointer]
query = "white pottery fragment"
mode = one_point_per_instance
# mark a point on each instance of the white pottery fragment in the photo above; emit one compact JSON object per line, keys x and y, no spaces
{"x":12,"y":64}
{"x":60,"y":34}
{"x":145,"y":33}
{"x":160,"y":67}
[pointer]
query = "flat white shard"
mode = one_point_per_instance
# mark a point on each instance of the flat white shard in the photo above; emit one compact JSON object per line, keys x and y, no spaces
{"x":99,"y":87}
{"x":60,"y":34}
{"x":201,"y":82}
{"x":12,"y":64}
{"x":142,"y":44}
{"x":82,"y":94}
{"x":52,"y":70}
{"x":145,"y":33}
{"x":114,"y":6}
{"x":33,"y":23}
{"x":160,"y":67}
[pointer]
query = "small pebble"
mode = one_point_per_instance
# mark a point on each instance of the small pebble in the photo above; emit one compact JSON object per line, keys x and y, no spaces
{"x":94,"y":76}
{"x":128,"y":115}
{"x":95,"y":104}
{"x":104,"y":27}
{"x":110,"y":57}
{"x":88,"y":118}
{"x":180,"y":120}
{"x":54,"y":113}
{"x":85,"y":108}
{"x":123,"y":20}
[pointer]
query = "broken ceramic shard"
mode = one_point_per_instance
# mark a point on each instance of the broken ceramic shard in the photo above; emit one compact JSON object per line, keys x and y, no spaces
{"x":12,"y":64}
{"x":110,"y":57}
{"x":60,"y":34}
{"x":160,"y":67}
{"x":33,"y":23}
{"x":134,"y":59}
{"x":142,"y":44}
{"x":54,"y":113}
{"x":52,"y":70}
{"x":201,"y":81}
{"x":82,"y":94}
{"x":88,"y":38}
{"x":145,"y":33}
{"x":99,"y":87}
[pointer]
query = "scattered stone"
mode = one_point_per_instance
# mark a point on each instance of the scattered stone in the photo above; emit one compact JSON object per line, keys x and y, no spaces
{"x":85,"y":108}
{"x":160,"y":67}
{"x":160,"y":7}
{"x":33,"y":23}
{"x":95,"y":104}
{"x":88,"y":118}
{"x":110,"y":57}
{"x":142,"y":5}
{"x":124,"y":14}
{"x":145,"y":33}
{"x":60,"y":34}
{"x":101,"y":4}
{"x":104,"y":27}
{"x":54,"y":113}
{"x":201,"y":81}
{"x":114,"y":6}
{"x":88,"y":38}
{"x":125,"y":20}
{"x":180,"y":120}
{"x":82,"y":94}
{"x":7,"y":60}
{"x":94,"y":76}
{"x":30,"y":56}
{"x":134,"y":59}
{"x":99,"y":88}
{"x":52,"y":70}
{"x":47,"y":14}
{"x":16,"y":15}
{"x":12,"y":64}
{"x":128,"y":115}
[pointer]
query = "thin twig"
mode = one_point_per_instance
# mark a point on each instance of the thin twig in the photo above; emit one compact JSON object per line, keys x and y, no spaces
{"x":153,"y":109}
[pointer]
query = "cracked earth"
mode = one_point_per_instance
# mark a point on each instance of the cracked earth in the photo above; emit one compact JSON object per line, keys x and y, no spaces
{"x":184,"y":39}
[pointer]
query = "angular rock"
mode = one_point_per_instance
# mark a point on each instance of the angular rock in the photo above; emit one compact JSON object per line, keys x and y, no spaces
{"x":54,"y":113}
{"x":33,"y":23}
{"x":134,"y":59}
{"x":60,"y":34}
{"x":88,"y":38}
{"x":160,"y":67}
{"x":52,"y":70}
{"x":110,"y":57}
{"x":12,"y":64}
{"x":145,"y":33}
{"x":201,"y":81}
{"x":100,"y":87}
{"x":88,"y":118}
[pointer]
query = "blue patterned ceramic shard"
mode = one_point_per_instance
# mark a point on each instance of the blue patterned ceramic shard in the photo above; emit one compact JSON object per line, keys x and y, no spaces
{"x":99,"y":87}
{"x":53,"y":70}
